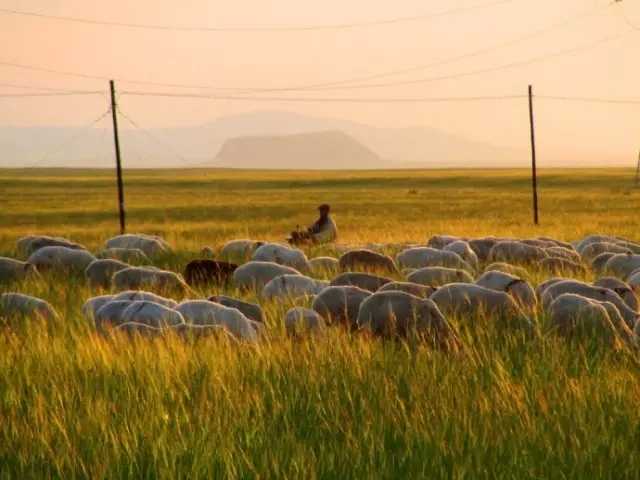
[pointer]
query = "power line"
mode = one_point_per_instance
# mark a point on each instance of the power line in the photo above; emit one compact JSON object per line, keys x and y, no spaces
{"x":323,"y":99}
{"x":151,"y":136}
{"x":69,"y":141}
{"x":624,"y":16}
{"x":34,"y":87}
{"x":614,"y":101}
{"x":438,"y":63}
{"x":337,"y":85}
{"x":52,"y":94}
{"x":504,"y":66}
{"x":246,"y":29}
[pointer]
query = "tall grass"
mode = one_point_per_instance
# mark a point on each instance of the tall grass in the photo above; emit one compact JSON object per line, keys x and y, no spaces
{"x":74,"y":404}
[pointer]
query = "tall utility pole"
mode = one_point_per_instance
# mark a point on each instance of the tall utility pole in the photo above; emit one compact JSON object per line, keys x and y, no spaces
{"x":534,"y":172}
{"x":114,"y":115}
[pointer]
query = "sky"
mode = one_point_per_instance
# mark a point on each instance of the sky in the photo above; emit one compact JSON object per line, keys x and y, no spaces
{"x":604,"y":65}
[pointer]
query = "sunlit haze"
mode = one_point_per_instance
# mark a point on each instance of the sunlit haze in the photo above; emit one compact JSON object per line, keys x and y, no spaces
{"x":603,"y":66}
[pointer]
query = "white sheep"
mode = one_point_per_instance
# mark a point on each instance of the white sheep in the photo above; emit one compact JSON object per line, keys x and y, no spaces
{"x":12,"y":270}
{"x":572,"y":314}
{"x":239,"y":251}
{"x":391,"y":314}
{"x":300,"y":321}
{"x":149,"y":244}
{"x":589,"y":291}
{"x":282,"y":255}
{"x":204,"y":312}
{"x":340,"y":305}
{"x":100,"y":272}
{"x":152,"y":314}
{"x":134,"y":278}
{"x":464,"y":251}
{"x":127,"y":255}
{"x":91,"y":306}
{"x":622,"y":265}
{"x":430,"y":257}
{"x":438,"y":276}
{"x":61,"y":258}
{"x":519,"y":289}
{"x":292,"y":286}
{"x":139,"y":295}
{"x":470,"y":301}
{"x":20,"y":305}
{"x":366,"y":281}
{"x":28,"y":245}
{"x":255,"y":275}
{"x":516,"y":252}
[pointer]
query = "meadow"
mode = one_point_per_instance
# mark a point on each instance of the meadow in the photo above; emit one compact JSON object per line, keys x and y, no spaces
{"x":76,"y":405}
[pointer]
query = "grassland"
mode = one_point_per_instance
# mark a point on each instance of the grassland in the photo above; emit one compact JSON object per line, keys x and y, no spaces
{"x":73,"y":404}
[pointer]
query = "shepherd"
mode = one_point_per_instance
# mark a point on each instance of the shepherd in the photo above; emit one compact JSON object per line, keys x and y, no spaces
{"x":324,"y":230}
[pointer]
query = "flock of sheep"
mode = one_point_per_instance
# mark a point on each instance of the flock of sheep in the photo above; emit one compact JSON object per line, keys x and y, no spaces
{"x":449,"y":277}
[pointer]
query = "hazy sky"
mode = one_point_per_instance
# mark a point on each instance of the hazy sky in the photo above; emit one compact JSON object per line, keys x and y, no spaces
{"x":281,"y":59}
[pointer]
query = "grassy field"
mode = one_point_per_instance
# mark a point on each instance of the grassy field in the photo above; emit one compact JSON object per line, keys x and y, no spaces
{"x":76,"y":405}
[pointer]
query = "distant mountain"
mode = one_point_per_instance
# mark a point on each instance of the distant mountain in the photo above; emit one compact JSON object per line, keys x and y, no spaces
{"x":317,"y":150}
{"x":208,"y":145}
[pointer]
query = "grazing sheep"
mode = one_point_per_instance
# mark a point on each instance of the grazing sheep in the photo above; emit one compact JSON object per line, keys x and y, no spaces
{"x":135,"y":278}
{"x":16,"y":271}
{"x":151,"y":245}
{"x":547,"y":283}
{"x":91,"y":306}
{"x":591,"y":251}
{"x":516,"y":252}
{"x":28,"y":245}
{"x":100,"y":272}
{"x":564,"y":253}
{"x":239,"y":251}
{"x":621,"y":288}
{"x":195,"y":332}
{"x":634,"y":280}
{"x":127,"y":255}
{"x":61,"y":258}
{"x":320,"y":265}
{"x":589,"y":291}
{"x":204,"y":312}
{"x":520,"y":290}
{"x":399,"y":314}
{"x":507,"y":268}
{"x":598,"y":264}
{"x":367,"y":261}
{"x":152,"y":314}
{"x":340,"y":305}
{"x":292,"y":286}
{"x":110,"y":315}
{"x":438,"y":276}
{"x":591,"y":239}
{"x":441,"y":241}
{"x":207,"y":272}
{"x":622,"y":265}
{"x":470,"y":301}
{"x":561,"y":265}
{"x":20,"y":305}
{"x":255,"y":275}
{"x":282,"y":255}
{"x":464,"y":251}
{"x":557,"y":243}
{"x":482,"y":246}
{"x":430,"y":257}
{"x":299,"y":322}
{"x":366,"y":281}
{"x":415,"y":289}
{"x":573,"y":314}
{"x":250,"y":310}
{"x":139,"y":295}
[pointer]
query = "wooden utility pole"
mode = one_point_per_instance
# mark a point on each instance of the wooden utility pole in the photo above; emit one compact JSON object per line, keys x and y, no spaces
{"x":534,"y":172}
{"x":116,"y":140}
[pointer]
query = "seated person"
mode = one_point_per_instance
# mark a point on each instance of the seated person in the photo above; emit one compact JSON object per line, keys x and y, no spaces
{"x":324,"y":230}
